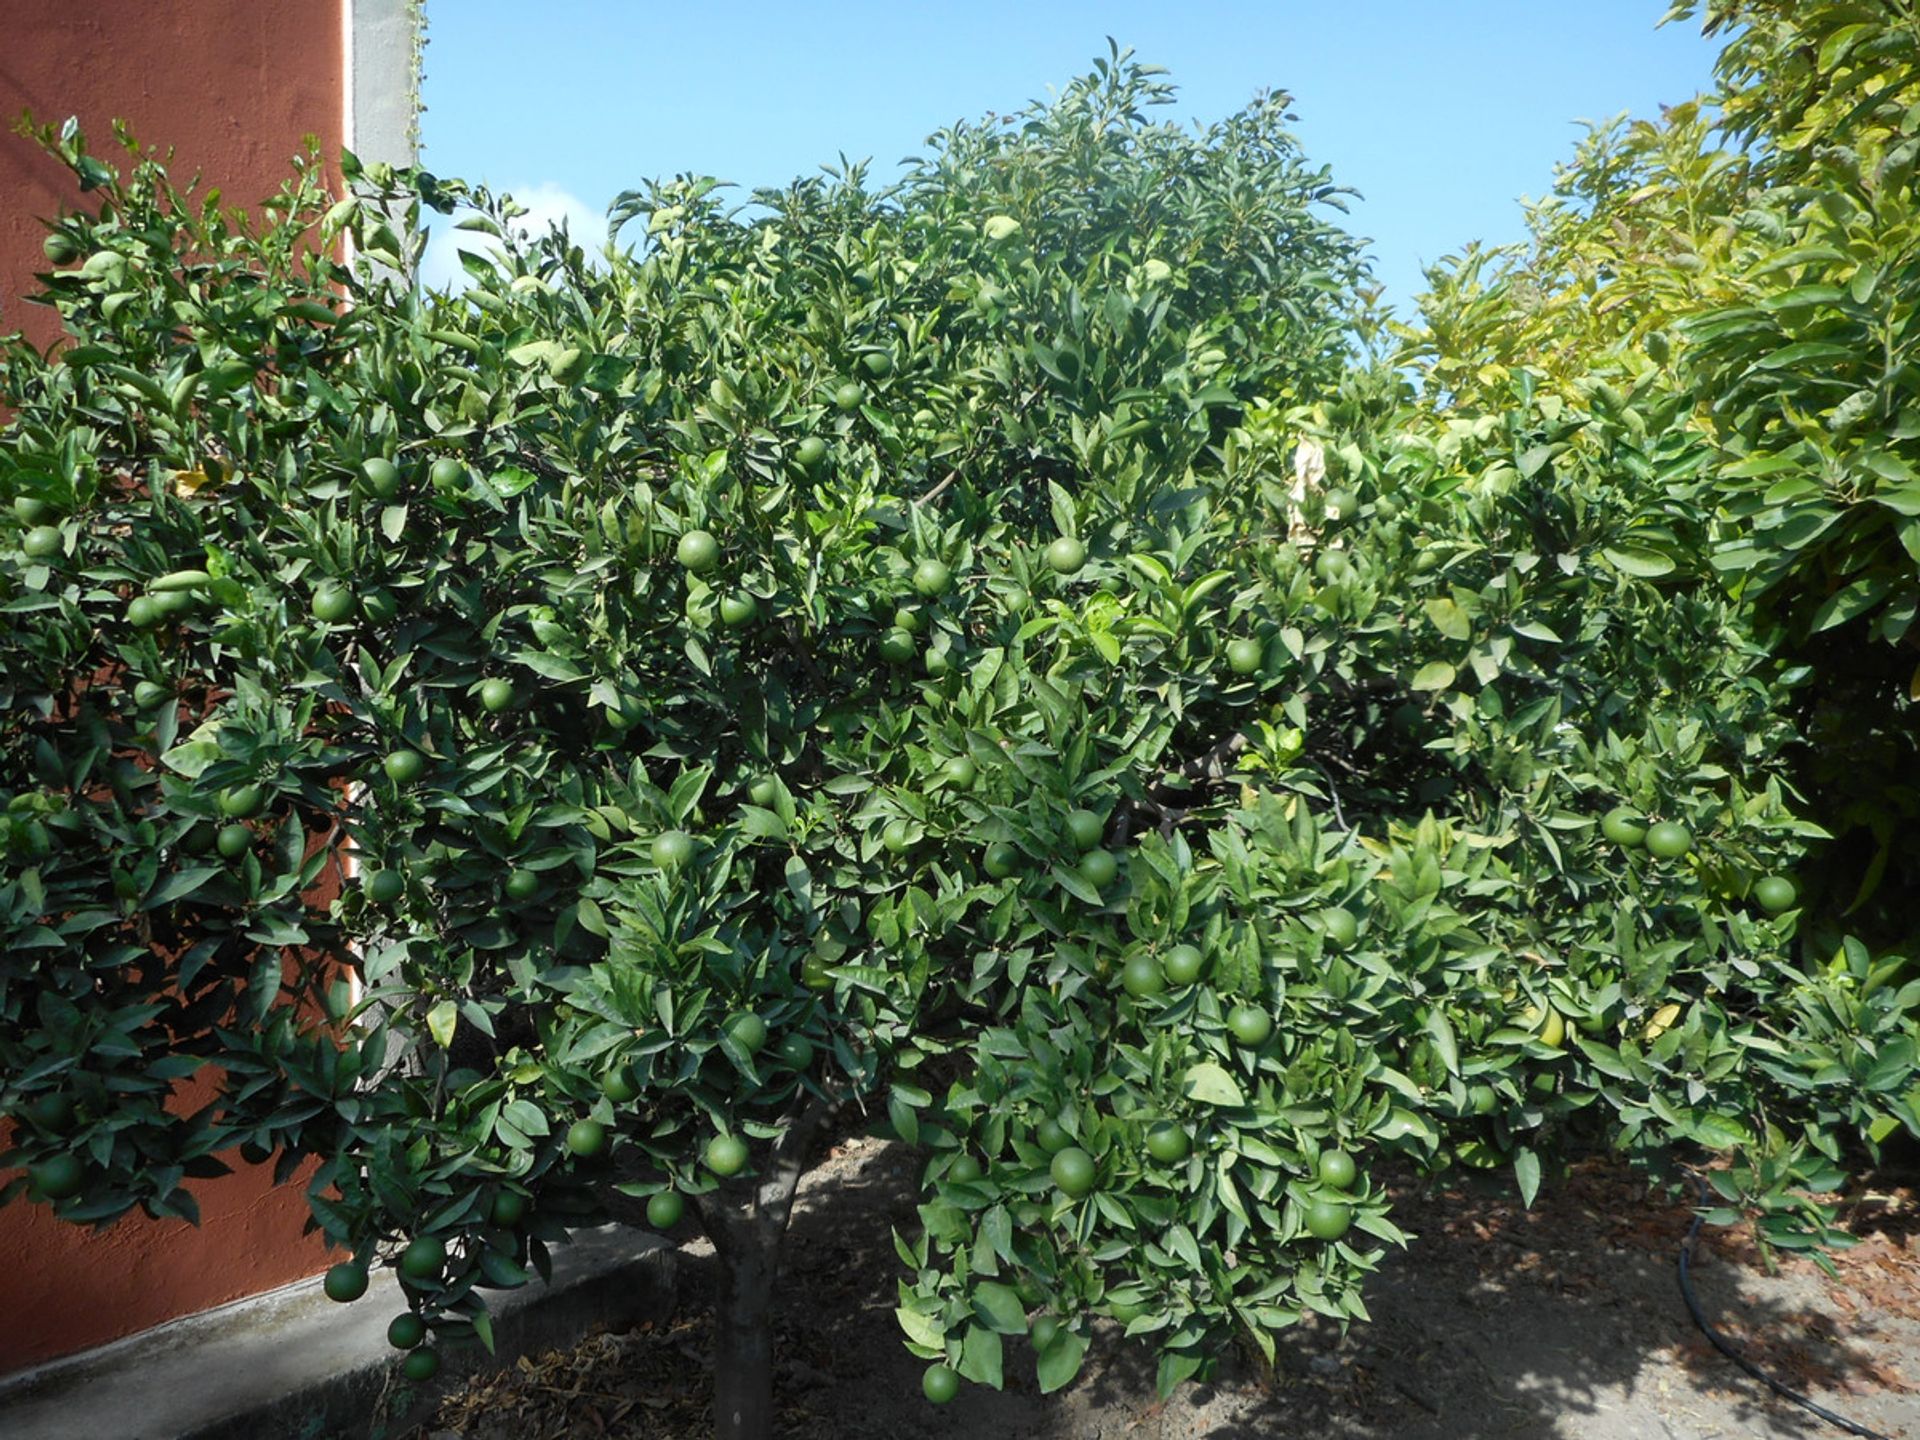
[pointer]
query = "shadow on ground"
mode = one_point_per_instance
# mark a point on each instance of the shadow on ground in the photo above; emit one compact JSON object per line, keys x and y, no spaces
{"x":1560,"y":1323}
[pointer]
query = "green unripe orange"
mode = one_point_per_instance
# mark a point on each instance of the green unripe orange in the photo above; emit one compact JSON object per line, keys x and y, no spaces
{"x":1668,"y":841}
{"x":345,"y":1282}
{"x":1624,"y":827}
{"x":58,"y":1177}
{"x":1168,"y":1143}
{"x":795,"y":1052}
{"x":698,"y":551}
{"x":932,"y":578}
{"x":382,"y":477}
{"x":1099,"y":869}
{"x":1337,"y":1169}
{"x":726,"y":1155}
{"x":586,"y":1138}
{"x":1141,"y":975}
{"x":748,"y":1031}
{"x":1244,"y":656}
{"x":241,"y":801}
{"x":424,"y":1257}
{"x":421,"y":1365}
{"x":332,"y":604}
{"x":1329,"y":1219}
{"x":1251,"y":1026}
{"x":1183,"y":964}
{"x":1340,"y":926}
{"x":385,"y":886}
{"x":939,"y":1384}
{"x":403,"y":767}
{"x":1084,"y":829}
{"x":897,"y":647}
{"x":1066,"y":556}
{"x":671,"y":849}
{"x":1073,"y":1171}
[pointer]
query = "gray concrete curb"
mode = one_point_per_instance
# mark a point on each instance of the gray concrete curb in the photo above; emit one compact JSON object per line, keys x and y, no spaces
{"x":294,"y":1364}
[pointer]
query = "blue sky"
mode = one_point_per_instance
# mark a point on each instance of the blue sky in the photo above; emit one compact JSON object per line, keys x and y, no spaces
{"x":1441,"y":112}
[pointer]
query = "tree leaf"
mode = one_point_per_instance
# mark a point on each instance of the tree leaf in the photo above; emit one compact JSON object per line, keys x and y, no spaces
{"x":997,"y":1307}
{"x":1526,"y":1170}
{"x":1640,"y":563}
{"x":1211,"y":1085}
{"x":1060,"y":1362}
{"x":440,"y":1022}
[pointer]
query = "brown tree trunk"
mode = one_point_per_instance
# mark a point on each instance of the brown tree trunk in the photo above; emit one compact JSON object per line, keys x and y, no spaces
{"x":746,"y":1220}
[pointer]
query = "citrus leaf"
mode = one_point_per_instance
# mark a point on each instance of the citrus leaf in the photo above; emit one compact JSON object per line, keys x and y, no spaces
{"x":1643,"y":564}
{"x":1211,"y":1085}
{"x":1526,"y":1170}
{"x":1060,"y":1362}
{"x":998,"y":1308}
{"x":440,"y":1022}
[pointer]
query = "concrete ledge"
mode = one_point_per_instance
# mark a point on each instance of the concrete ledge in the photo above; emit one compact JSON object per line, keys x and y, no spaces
{"x":294,"y":1364}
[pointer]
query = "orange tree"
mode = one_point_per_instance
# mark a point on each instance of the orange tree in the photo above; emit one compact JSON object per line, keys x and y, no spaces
{"x":892,"y":651}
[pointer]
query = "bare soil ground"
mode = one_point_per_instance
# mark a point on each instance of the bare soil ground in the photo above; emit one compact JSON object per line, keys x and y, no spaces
{"x":1560,"y":1323}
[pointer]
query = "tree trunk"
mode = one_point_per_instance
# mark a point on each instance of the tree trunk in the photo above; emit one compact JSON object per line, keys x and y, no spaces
{"x":743,"y":1341}
{"x":746,"y":1221}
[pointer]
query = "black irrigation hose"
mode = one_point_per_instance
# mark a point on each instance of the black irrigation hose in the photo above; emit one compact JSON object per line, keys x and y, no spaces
{"x":1726,"y":1346}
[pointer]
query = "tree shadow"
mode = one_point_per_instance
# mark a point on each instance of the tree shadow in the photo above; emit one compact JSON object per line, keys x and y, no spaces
{"x":1563,"y":1322}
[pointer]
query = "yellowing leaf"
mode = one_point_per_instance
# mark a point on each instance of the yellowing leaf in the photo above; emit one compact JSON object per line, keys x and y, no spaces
{"x":187,"y":484}
{"x":1662,"y":1021}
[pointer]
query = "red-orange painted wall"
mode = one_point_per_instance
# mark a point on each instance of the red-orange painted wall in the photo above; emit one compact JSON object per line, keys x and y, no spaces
{"x":234,"y":86}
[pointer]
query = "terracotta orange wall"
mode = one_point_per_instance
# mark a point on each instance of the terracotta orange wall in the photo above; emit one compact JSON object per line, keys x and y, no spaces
{"x":233,"y":86}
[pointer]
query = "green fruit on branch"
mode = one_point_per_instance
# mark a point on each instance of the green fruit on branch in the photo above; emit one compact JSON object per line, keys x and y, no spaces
{"x":1073,"y":1171}
{"x":345,"y":1282}
{"x":1066,"y":556}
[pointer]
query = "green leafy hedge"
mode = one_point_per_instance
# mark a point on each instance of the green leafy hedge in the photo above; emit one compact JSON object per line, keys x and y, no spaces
{"x":989,"y":651}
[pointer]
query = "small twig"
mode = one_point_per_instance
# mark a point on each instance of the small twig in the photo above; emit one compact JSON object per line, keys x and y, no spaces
{"x":1209,"y":768}
{"x":1333,"y":796}
{"x":938,"y":490}
{"x":1212,"y":765}
{"x":805,"y":652}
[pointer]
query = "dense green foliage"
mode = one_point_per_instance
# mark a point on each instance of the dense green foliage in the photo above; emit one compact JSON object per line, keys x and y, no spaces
{"x":1016,"y":651}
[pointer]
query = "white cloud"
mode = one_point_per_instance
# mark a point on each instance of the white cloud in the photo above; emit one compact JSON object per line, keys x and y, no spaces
{"x":548,"y":205}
